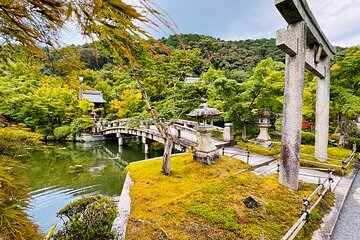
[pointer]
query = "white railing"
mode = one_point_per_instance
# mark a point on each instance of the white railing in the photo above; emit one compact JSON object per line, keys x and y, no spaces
{"x":179,"y":126}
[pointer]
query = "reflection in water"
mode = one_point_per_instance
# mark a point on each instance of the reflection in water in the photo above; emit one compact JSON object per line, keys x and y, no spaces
{"x":65,"y":172}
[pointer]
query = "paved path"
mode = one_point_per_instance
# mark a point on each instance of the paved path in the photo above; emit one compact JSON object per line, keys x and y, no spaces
{"x":253,"y":159}
{"x":306,"y":174}
{"x":348,"y":224}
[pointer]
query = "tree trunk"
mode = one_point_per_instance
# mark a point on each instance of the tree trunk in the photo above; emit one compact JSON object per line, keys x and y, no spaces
{"x":167,"y":155}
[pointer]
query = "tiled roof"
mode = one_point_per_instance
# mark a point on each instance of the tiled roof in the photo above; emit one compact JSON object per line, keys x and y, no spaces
{"x":92,"y":96}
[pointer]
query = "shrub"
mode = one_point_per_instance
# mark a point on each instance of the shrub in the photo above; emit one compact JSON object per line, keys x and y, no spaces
{"x":334,"y":140}
{"x":14,"y":141}
{"x":217,"y":135}
{"x":307,"y":138}
{"x":61,"y":132}
{"x":88,"y":218}
{"x":351,"y":141}
{"x":80,"y":125}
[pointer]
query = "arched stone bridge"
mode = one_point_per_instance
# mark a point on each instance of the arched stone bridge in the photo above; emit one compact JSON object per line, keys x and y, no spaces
{"x":183,"y":131}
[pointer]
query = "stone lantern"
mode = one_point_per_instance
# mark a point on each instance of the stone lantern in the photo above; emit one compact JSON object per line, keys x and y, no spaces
{"x":206,"y":151}
{"x":264,"y":125}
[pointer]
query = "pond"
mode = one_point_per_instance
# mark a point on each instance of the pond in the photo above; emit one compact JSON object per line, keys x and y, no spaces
{"x":68,"y":171}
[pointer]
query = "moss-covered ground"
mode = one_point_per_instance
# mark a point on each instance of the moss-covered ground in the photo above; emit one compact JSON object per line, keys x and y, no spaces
{"x":206,"y":202}
{"x":307,"y":152}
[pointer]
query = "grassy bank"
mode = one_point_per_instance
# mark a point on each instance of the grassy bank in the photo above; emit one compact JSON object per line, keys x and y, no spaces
{"x":307,"y":153}
{"x":206,"y":202}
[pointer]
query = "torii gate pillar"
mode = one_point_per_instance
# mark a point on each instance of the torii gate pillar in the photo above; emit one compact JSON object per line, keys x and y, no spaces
{"x":306,"y":46}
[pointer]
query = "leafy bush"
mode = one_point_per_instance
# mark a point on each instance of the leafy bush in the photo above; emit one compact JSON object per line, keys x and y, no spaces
{"x":61,"y":132}
{"x":334,"y":140}
{"x":13,"y":141}
{"x":80,"y":125}
{"x":351,"y":141}
{"x":88,"y":218}
{"x":307,"y":138}
{"x":217,"y":135}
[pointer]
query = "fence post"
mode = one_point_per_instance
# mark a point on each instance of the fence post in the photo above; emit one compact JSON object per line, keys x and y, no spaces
{"x":330,"y":180}
{"x":228,"y":132}
{"x":343,"y":163}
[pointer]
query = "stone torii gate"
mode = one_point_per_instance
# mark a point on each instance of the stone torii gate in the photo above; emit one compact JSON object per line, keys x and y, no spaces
{"x":306,"y":46}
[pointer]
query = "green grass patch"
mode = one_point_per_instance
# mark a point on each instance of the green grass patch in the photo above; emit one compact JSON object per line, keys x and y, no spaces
{"x":335,"y":155}
{"x":206,"y":202}
{"x":274,"y":151}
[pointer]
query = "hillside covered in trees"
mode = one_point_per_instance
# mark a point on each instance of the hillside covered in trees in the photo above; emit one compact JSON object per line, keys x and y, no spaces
{"x":238,"y":77}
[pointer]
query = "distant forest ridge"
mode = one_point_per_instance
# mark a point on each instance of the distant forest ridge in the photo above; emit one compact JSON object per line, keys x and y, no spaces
{"x":239,"y":55}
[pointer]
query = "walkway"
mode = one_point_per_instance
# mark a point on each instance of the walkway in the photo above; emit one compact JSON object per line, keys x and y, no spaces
{"x":255,"y":160}
{"x":348,"y":224}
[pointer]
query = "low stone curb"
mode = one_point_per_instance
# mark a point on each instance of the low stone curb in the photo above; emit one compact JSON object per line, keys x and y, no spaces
{"x":123,"y":203}
{"x":341,"y":191}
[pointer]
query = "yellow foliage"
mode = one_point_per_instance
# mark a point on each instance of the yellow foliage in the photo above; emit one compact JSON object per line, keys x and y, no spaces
{"x":130,"y":103}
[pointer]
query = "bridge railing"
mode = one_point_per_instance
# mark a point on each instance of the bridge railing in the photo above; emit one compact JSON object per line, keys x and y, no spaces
{"x":180,"y":125}
{"x":227,"y":131}
{"x":187,"y":123}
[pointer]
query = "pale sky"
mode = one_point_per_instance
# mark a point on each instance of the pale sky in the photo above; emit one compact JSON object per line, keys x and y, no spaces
{"x":244,"y":19}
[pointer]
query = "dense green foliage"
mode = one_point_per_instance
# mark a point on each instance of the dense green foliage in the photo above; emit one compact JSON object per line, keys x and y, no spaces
{"x":307,"y":138}
{"x":351,"y":141}
{"x":44,"y":95}
{"x":88,"y":218}
{"x":345,"y":94}
{"x":61,"y":132}
{"x":236,"y":58}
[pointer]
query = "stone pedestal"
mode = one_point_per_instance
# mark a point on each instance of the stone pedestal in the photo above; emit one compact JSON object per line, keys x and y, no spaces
{"x":206,"y":151}
{"x":264,"y":138}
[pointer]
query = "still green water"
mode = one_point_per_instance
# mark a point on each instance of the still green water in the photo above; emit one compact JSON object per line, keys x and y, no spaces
{"x":54,"y":185}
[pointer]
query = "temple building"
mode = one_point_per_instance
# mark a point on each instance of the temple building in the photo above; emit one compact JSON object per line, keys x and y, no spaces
{"x":95,"y":97}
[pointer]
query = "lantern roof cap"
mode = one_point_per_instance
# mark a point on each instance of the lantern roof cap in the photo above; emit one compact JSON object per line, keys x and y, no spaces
{"x":263,"y":113}
{"x":204,"y":111}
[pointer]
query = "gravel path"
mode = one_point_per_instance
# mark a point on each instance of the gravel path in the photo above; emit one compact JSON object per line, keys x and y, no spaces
{"x":348,"y":224}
